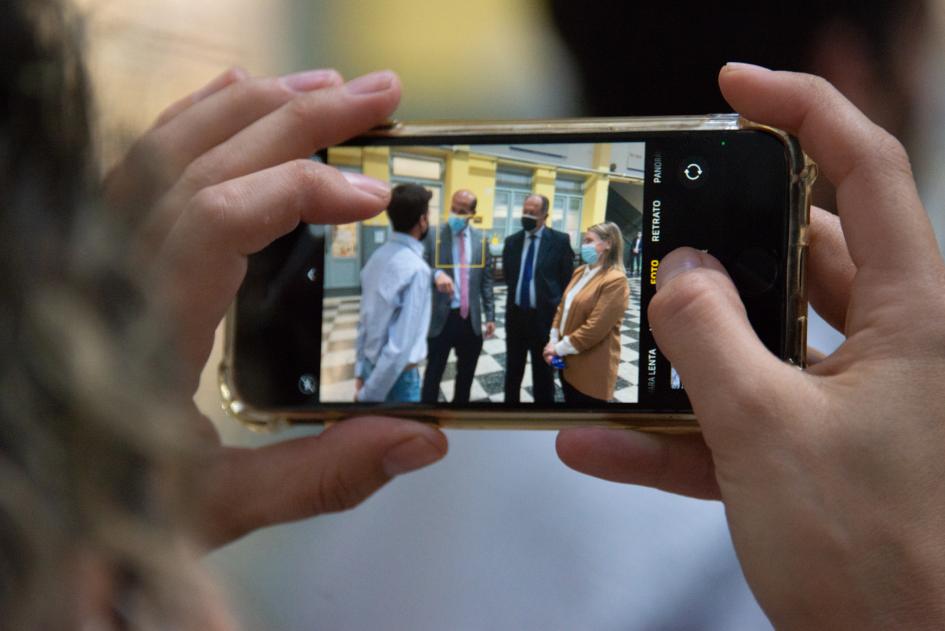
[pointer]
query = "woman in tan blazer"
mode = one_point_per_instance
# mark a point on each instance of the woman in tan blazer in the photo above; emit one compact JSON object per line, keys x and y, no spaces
{"x":586,"y":329}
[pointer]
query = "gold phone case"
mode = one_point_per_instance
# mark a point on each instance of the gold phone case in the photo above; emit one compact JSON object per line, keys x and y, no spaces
{"x":802,"y":174}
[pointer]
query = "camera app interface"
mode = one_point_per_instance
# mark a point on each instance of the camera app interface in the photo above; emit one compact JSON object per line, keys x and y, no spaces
{"x":499,"y":274}
{"x":513,"y":274}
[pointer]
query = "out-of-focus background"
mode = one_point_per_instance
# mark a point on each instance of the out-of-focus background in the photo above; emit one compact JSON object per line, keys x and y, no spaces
{"x":500,"y":535}
{"x":490,"y":58}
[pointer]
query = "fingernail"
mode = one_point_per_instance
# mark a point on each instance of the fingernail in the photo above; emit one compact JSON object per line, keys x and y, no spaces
{"x":410,"y":456}
{"x":677,"y":262}
{"x":371,"y":83}
{"x":309,"y":80}
{"x":239,"y":73}
{"x":733,"y":66}
{"x":228,"y":76}
{"x":367,"y":184}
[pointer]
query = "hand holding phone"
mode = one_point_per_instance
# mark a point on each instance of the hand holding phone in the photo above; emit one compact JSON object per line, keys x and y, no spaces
{"x":224,"y":172}
{"x":831,"y":477}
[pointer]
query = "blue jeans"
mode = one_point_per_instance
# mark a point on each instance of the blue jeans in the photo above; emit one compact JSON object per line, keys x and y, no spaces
{"x":405,"y":390}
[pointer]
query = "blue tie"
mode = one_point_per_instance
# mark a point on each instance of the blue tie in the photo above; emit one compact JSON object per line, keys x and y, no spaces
{"x":525,"y":297}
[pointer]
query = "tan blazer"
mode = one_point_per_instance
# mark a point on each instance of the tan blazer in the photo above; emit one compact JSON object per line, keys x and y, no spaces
{"x":593,"y":327}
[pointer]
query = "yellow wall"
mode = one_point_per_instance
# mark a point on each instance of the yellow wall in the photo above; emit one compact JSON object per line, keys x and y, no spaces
{"x":475,"y":173}
{"x":345,"y":156}
{"x":595,"y":201}
{"x":596,"y":187}
{"x":376,"y":163}
{"x":543,"y":183}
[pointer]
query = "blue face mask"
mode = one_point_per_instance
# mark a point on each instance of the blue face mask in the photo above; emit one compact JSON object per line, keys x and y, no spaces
{"x":589,"y":253}
{"x":457,"y":223}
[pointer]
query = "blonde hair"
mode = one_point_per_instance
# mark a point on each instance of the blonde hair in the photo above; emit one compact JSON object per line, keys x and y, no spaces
{"x":609,"y":232}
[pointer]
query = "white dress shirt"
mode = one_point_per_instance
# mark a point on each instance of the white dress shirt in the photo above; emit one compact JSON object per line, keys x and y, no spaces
{"x":563,"y":346}
{"x":395,"y":314}
{"x":458,"y":265}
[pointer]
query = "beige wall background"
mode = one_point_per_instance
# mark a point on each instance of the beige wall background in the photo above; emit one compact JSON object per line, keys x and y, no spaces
{"x":490,"y":58}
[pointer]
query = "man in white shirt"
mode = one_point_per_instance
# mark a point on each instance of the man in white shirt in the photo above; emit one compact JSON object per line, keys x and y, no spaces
{"x":395,"y":304}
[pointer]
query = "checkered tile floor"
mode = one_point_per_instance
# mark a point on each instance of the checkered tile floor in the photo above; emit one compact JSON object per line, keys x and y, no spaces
{"x":339,"y":334}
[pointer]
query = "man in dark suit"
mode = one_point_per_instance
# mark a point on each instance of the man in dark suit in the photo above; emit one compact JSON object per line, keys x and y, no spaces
{"x":538,"y":262}
{"x":462,"y":298}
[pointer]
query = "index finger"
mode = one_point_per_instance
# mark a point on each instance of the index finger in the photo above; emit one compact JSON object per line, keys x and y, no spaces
{"x":883,"y":219}
{"x":229,"y":76}
{"x":303,"y":125}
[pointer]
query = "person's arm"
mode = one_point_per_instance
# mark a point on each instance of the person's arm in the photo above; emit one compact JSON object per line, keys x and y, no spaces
{"x":554,"y":336}
{"x":831,"y":476}
{"x":359,"y":358}
{"x":608,"y":311}
{"x":555,"y":333}
{"x":222,"y":174}
{"x":407,"y":325}
{"x":441,"y":280}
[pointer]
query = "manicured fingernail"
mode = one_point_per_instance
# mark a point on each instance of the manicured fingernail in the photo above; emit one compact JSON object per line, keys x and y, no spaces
{"x":309,"y":80}
{"x":677,"y":262}
{"x":738,"y":65}
{"x":410,"y":455}
{"x":367,"y":184}
{"x":371,"y":83}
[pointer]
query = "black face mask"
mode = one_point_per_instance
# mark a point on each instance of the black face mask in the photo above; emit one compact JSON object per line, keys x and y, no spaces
{"x":529,"y":223}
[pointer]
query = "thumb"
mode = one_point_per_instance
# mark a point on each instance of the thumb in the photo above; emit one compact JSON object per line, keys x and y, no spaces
{"x":700,"y":324}
{"x":295,"y":479}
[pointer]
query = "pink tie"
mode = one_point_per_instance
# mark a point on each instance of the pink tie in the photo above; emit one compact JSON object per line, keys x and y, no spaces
{"x":464,"y":277}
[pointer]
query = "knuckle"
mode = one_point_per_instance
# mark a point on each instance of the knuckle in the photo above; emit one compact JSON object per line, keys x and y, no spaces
{"x":818,"y":85}
{"x":300,"y":110}
{"x":305,"y":173}
{"x":268,"y":90}
{"x":213,"y":207}
{"x":817,"y":91}
{"x":334,"y":493}
{"x":200,"y":173}
{"x":307,"y":179}
{"x":892,"y":153}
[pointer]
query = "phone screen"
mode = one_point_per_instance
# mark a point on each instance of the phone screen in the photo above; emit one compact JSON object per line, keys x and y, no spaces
{"x":315,"y":314}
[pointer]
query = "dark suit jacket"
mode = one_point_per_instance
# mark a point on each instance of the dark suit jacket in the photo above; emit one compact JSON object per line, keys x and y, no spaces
{"x":553,"y":268}
{"x":481,"y":300}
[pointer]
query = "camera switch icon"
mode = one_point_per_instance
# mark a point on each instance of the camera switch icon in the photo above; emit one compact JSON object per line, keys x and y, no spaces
{"x":308,"y":384}
{"x":692,"y":172}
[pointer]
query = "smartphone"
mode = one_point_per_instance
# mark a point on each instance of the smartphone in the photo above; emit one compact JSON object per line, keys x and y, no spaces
{"x":296,"y":342}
